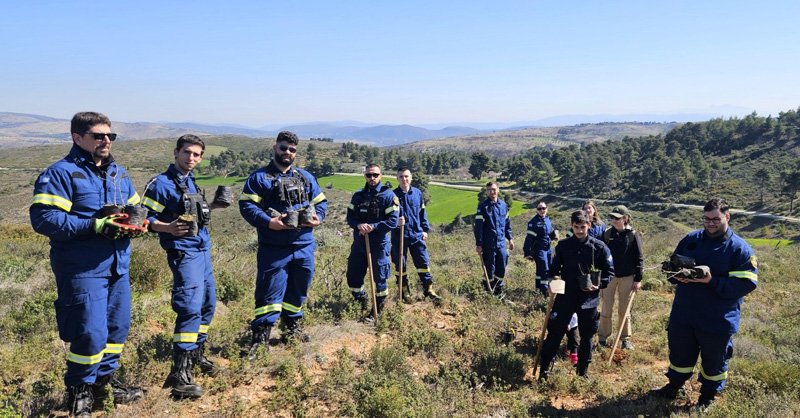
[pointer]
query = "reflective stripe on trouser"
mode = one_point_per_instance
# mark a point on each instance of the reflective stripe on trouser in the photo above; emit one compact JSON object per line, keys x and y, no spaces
{"x":282,"y":281}
{"x":357,"y":268}
{"x":686,"y":343}
{"x":563,"y":309}
{"x":495,"y":260}
{"x":93,"y":315}
{"x":542,"y":258}
{"x":619,"y":288}
{"x":419,"y":255}
{"x":194,"y":297}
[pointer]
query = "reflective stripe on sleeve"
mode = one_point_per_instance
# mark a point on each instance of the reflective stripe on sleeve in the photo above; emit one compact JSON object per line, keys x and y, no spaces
{"x":291,"y":308}
{"x":152,"y":204}
{"x":203,"y":329}
{"x":532,"y":233}
{"x":684,"y":370}
{"x":744,"y":275}
{"x":135,"y":199}
{"x":52,"y":200}
{"x":391,"y":209}
{"x":320,"y":197}
{"x":478,"y":217}
{"x":251,"y":197}
{"x":425,"y":270}
{"x":716,"y":378}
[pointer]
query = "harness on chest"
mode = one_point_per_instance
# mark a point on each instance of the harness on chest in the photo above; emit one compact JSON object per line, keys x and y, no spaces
{"x":194,"y":204}
{"x":369,"y":210}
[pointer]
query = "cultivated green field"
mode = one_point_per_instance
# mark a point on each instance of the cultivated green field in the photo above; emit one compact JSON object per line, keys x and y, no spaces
{"x":446,"y":203}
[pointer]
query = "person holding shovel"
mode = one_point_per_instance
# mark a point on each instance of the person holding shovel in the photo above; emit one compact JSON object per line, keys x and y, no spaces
{"x":179,"y":213}
{"x":492,"y":230}
{"x":585,"y":265}
{"x":372,"y":214}
{"x":284,"y":203}
{"x":626,"y":249}
{"x":415,"y":227}
{"x":77,"y":204}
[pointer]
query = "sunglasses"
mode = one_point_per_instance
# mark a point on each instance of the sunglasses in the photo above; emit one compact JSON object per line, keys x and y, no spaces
{"x":100,"y":136}
{"x":284,"y":148}
{"x":541,"y":208}
{"x":372,"y":175}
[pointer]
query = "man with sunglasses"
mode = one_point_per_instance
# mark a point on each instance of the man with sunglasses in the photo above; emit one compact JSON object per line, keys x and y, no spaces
{"x":285,"y":249}
{"x":373,"y":211}
{"x":77,"y":203}
{"x":705,"y":312}
{"x":537,"y":246}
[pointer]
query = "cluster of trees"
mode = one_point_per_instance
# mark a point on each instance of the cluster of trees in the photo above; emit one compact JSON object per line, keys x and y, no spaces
{"x":691,"y":158}
{"x":231,"y":163}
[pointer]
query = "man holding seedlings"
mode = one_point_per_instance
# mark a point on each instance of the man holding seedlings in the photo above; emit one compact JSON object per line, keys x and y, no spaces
{"x":285,"y":204}
{"x":178,"y":211}
{"x":585,"y":265}
{"x":373,"y":212}
{"x":77,"y":203}
{"x":415,"y":227}
{"x":492,"y":228}
{"x":706,"y":310}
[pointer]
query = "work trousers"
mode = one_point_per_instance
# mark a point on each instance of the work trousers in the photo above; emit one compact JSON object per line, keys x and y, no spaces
{"x":194,"y":296}
{"x":282,"y":281}
{"x":94,"y":316}
{"x":357,"y":268}
{"x":621,"y":288}
{"x":715,"y":349}
{"x":542,"y":258}
{"x":419,"y":254}
{"x":557,"y":327}
{"x":495,"y":260}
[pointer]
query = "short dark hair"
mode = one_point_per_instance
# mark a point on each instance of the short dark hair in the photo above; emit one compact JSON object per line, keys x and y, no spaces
{"x":716,"y":203}
{"x":191,"y":140}
{"x":372,"y":165}
{"x":579,"y":217}
{"x":83,"y":121}
{"x":403,"y":168}
{"x":492,"y":183}
{"x":287,"y":136}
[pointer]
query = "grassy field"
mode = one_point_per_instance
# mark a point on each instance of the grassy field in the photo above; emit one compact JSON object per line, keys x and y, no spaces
{"x":470,"y":357}
{"x":446,"y":203}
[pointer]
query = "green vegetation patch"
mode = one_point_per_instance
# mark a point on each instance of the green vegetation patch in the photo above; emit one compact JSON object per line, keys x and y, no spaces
{"x":771,"y":242}
{"x":219,"y":180}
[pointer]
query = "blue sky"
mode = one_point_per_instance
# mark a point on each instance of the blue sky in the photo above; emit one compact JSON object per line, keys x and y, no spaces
{"x":266,"y":62}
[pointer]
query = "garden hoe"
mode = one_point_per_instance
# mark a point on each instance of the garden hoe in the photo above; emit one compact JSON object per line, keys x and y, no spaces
{"x":371,"y":280}
{"x":400,"y":253}
{"x":556,"y":288}
{"x":486,"y":275}
{"x":621,"y":325}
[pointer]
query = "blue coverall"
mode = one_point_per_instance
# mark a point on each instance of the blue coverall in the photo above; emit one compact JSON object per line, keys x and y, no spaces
{"x":573,"y":259}
{"x":194,"y":295}
{"x":705,"y":317}
{"x":412,"y":208}
{"x":492,"y":228}
{"x":285,"y":258}
{"x":537,"y":246}
{"x":93,"y":309}
{"x":379,"y":208}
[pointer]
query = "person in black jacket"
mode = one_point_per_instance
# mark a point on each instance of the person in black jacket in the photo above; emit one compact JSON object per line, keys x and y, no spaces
{"x":585,"y":265}
{"x":626,"y":249}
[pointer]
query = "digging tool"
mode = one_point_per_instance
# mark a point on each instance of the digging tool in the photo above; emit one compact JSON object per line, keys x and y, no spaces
{"x":371,"y":279}
{"x":621,"y":325}
{"x":486,"y":275}
{"x":557,"y":287}
{"x":400,"y":255}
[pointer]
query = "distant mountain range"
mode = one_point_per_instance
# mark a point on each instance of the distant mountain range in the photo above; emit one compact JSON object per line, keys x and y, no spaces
{"x":21,"y":130}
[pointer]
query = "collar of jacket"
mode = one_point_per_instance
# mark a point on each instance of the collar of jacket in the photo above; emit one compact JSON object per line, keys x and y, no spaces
{"x":273,"y":169}
{"x":81,"y":156}
{"x":177,"y":173}
{"x":723,"y":237}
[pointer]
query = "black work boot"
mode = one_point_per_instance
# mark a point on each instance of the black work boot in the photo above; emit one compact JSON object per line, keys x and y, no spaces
{"x":583,"y":369}
{"x":407,"y":298}
{"x":706,"y":399}
{"x":380,"y":302}
{"x":80,"y":401}
{"x":427,"y":290}
{"x":363,"y":302}
{"x":544,"y":371}
{"x":500,"y":292}
{"x":294,"y":330}
{"x":180,"y":377}
{"x":670,"y":391}
{"x":200,"y":360}
{"x":122,"y":395}
{"x":260,"y":339}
